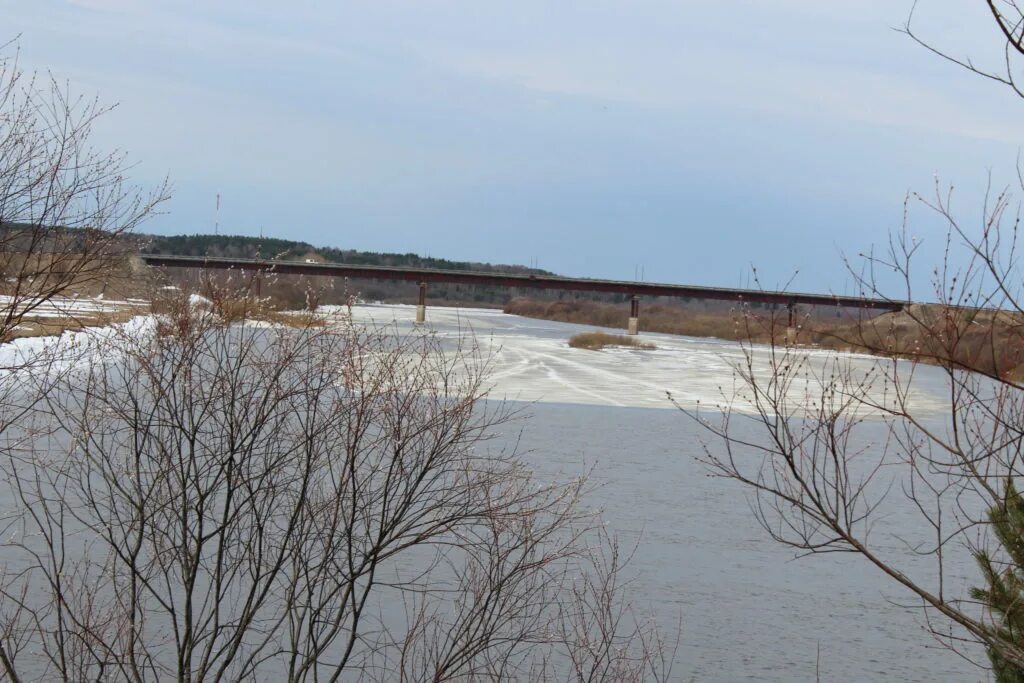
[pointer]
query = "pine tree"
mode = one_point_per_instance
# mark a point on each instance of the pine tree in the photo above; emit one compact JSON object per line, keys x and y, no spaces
{"x":1005,"y":593}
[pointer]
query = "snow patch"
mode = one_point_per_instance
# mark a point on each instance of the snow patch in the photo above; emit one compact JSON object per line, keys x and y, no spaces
{"x":72,"y":348}
{"x":67,"y":306}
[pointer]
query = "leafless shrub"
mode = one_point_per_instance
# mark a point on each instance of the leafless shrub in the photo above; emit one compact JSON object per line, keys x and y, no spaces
{"x":230,"y":502}
{"x":807,"y":444}
{"x":63,"y":205}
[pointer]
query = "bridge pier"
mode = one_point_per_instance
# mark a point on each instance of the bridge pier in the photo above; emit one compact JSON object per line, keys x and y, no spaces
{"x":421,"y":307}
{"x":633,"y":327}
{"x":790,"y":326}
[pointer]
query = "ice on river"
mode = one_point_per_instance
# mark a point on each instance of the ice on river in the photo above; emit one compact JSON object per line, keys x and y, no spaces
{"x":532,"y":361}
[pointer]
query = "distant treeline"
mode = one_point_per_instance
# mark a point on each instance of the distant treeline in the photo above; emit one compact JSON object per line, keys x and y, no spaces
{"x":291,"y":290}
{"x":242,"y":246}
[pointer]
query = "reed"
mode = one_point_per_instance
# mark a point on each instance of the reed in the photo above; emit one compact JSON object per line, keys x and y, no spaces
{"x":595,"y":341}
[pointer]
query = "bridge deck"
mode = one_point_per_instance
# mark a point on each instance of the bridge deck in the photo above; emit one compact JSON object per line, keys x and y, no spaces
{"x":572,"y":284}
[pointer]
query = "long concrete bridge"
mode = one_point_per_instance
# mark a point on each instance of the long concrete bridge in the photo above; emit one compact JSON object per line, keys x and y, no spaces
{"x":425,"y":276}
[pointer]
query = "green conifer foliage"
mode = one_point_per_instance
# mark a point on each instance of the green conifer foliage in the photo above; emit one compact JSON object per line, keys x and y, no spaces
{"x":1005,"y":578}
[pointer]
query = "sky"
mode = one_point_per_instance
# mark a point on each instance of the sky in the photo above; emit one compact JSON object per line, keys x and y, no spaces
{"x":693,"y":140}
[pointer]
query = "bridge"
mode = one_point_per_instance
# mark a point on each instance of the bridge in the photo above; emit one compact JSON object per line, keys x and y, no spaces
{"x":425,"y":276}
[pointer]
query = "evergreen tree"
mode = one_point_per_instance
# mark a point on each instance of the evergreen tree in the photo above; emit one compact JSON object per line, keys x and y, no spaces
{"x":1005,"y":593}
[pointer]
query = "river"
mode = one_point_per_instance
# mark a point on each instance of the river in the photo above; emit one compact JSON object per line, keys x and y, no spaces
{"x":750,"y":609}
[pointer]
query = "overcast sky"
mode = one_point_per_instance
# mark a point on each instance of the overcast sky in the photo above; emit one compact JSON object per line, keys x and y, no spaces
{"x":693,"y":138}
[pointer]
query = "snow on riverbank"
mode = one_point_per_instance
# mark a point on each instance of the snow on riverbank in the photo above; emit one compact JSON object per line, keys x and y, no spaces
{"x":62,"y":351}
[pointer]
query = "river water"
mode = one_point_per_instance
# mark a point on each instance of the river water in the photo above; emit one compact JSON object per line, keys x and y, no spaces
{"x":750,"y":610}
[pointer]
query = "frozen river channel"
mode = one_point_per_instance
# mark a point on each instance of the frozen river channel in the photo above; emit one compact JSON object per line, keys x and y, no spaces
{"x":750,"y":610}
{"x":531,"y":361}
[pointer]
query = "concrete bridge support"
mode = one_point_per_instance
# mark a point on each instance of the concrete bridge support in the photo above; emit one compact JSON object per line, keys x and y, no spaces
{"x":791,"y":324}
{"x":421,"y":307}
{"x":634,"y":316}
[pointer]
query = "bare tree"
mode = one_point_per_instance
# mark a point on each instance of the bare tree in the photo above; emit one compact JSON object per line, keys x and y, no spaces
{"x":63,"y":204}
{"x":830,"y":449}
{"x":228,"y":502}
{"x":215,"y":500}
{"x":1008,"y":20}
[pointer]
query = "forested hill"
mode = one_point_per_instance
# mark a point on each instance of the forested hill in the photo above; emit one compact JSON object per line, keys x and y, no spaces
{"x":240,"y":246}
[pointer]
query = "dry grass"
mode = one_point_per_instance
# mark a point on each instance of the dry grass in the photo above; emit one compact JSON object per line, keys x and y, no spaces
{"x":991,"y":342}
{"x":229,"y":307}
{"x":595,"y":341}
{"x":653,"y":318}
{"x":51,"y":327}
{"x":240,"y":309}
{"x":115,"y":276}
